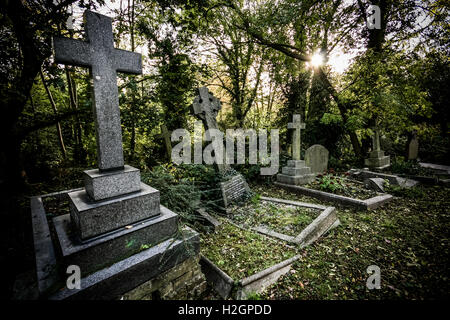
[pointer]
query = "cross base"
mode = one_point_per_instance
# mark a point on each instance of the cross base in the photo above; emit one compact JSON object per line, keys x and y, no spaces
{"x":103,"y":185}
{"x":296,"y":173}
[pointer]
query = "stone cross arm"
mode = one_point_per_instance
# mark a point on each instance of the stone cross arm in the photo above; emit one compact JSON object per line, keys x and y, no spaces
{"x":80,"y":53}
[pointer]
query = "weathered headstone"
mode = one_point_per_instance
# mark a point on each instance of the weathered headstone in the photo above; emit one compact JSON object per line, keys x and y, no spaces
{"x":316,"y":157}
{"x":413,"y":148}
{"x":377,"y":159}
{"x":115,"y":215}
{"x":206,"y":107}
{"x":296,"y":172}
{"x":234,"y":189}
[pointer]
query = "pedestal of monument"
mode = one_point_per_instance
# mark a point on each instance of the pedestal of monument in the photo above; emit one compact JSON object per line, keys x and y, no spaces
{"x":126,"y":246}
{"x":296,"y":173}
{"x":377,"y":160}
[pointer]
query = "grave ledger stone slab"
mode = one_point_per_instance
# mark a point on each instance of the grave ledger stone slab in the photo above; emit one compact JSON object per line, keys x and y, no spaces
{"x":115,"y":222}
{"x":296,"y":172}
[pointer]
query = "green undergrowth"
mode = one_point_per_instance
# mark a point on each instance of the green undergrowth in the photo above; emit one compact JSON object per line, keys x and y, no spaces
{"x":407,"y":238}
{"x":241,"y":253}
{"x":341,"y":185}
{"x":279,"y":217}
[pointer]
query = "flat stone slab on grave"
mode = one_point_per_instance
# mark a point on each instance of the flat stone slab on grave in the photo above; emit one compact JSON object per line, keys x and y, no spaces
{"x":112,"y":282}
{"x":104,"y":185}
{"x":368,"y":204}
{"x":291,"y":221}
{"x":436,"y":167}
{"x":93,"y":218}
{"x":98,"y":252}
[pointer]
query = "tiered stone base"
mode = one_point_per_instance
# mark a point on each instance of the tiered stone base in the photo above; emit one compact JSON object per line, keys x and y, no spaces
{"x":295,"y":173}
{"x":377,"y":160}
{"x":122,"y":240}
{"x":148,"y":266}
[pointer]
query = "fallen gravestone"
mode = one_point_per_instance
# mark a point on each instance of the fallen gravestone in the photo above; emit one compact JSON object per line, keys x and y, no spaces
{"x":316,"y":157}
{"x":234,"y":190}
{"x":376,"y":184}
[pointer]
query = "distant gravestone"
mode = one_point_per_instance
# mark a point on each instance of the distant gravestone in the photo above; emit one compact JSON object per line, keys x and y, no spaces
{"x":206,"y":107}
{"x":296,"y":172}
{"x":413,"y":148}
{"x":316,"y":158}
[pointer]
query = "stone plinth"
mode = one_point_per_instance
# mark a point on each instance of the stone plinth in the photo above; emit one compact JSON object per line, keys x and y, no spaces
{"x":377,"y":160}
{"x":126,"y":275}
{"x":111,"y":247}
{"x":104,"y":185}
{"x":295,"y":173}
{"x":92,"y":218}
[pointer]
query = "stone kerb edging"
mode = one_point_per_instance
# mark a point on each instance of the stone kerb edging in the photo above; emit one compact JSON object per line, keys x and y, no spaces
{"x":224,"y":285}
{"x":367,"y":204}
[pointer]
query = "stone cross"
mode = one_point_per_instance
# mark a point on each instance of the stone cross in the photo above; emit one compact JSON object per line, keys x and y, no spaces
{"x":98,"y":53}
{"x":297,"y":125}
{"x":206,"y":107}
{"x":376,"y":140}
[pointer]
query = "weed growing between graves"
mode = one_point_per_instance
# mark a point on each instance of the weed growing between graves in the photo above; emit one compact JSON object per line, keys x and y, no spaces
{"x":341,"y":185}
{"x":409,"y":167}
{"x":407,"y":238}
{"x":279,"y":217}
{"x":241,"y":253}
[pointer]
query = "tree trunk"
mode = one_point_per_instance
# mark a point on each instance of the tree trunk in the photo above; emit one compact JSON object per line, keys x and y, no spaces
{"x":55,"y":110}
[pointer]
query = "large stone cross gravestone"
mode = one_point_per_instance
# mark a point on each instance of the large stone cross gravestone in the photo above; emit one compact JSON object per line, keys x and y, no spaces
{"x":115,"y":215}
{"x":206,"y":107}
{"x":112,"y":178}
{"x":297,"y":125}
{"x":377,"y":159}
{"x":296,"y":172}
{"x":99,"y":54}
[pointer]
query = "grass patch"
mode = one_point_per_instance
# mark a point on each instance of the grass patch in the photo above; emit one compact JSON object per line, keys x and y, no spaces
{"x":341,"y":185}
{"x":279,"y":217}
{"x":407,"y":238}
{"x":241,"y":253}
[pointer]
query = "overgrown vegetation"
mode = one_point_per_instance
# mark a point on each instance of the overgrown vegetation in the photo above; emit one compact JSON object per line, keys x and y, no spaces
{"x":340,"y":184}
{"x":407,"y":239}
{"x":241,"y":253}
{"x":282,"y":218}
